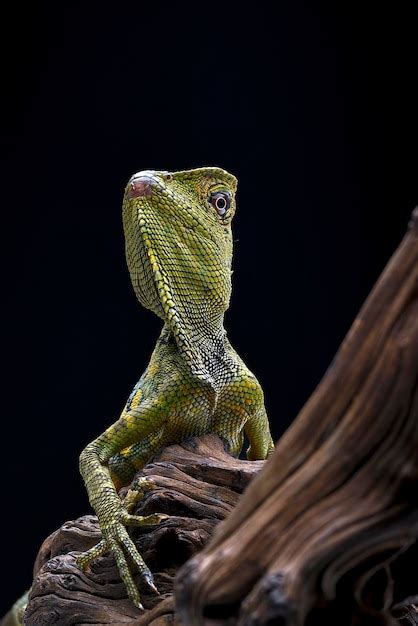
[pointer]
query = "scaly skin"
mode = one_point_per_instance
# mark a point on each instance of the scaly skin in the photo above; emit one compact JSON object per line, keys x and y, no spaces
{"x":179,"y":252}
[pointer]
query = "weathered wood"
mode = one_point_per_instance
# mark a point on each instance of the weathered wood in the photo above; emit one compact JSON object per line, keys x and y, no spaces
{"x":197,"y":483}
{"x":317,"y":535}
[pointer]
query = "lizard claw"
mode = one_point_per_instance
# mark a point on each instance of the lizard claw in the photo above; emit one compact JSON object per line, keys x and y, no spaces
{"x":151,"y":585}
{"x":154,"y":588}
{"x":117,"y":540}
{"x":83,"y":560}
{"x":146,"y":520}
{"x":137,"y":491}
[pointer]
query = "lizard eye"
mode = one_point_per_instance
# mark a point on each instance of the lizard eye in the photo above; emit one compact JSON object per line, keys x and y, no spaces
{"x":221,"y":201}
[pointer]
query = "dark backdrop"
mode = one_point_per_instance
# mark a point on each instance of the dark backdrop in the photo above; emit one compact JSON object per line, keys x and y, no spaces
{"x":312,"y":107}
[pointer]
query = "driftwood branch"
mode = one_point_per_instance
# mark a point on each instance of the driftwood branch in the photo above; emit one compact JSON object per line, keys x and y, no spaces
{"x":198,"y":484}
{"x":318,"y":534}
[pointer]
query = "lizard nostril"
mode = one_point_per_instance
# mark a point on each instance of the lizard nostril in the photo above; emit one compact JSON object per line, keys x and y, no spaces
{"x":140,"y":187}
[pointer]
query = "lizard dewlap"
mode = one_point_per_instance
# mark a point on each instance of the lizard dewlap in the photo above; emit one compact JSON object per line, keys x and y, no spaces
{"x":179,"y":251}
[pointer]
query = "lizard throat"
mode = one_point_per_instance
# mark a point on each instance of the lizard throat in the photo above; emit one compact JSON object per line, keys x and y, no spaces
{"x":203,"y":352}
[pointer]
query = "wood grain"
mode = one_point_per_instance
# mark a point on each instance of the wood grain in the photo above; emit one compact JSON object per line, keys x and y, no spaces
{"x":198,"y":484}
{"x":316,"y":533}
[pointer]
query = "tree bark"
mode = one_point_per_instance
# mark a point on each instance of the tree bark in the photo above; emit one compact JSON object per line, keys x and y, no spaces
{"x":320,"y":533}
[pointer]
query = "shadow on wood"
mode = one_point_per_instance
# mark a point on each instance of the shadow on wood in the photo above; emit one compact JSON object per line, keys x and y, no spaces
{"x":317,"y":536}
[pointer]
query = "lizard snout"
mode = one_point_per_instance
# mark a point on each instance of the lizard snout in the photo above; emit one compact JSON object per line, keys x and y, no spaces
{"x":141,"y":186}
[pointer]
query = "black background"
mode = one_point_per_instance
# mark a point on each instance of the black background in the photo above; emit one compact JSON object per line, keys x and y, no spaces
{"x":312,"y":106}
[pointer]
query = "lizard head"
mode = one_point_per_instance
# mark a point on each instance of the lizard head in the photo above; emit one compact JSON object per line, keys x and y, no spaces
{"x":178,"y":241}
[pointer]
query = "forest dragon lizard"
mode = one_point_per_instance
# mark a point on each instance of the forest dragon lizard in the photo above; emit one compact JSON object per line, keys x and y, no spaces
{"x":179,"y":252}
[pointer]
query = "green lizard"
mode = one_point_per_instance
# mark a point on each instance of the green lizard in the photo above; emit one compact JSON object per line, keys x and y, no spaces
{"x":179,"y":252}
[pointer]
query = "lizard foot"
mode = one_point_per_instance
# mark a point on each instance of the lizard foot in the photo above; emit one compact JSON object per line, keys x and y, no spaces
{"x":116,"y":539}
{"x":138,"y":489}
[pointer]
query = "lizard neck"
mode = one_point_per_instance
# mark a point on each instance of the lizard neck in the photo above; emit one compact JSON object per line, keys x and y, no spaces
{"x":202,"y":347}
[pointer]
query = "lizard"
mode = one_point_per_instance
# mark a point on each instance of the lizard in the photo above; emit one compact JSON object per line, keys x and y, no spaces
{"x":179,"y":245}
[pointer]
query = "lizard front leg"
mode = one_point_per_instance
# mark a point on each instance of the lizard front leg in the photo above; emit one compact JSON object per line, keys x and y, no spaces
{"x":258,"y":433}
{"x":241,"y":409}
{"x":132,"y":426}
{"x":124,"y":465}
